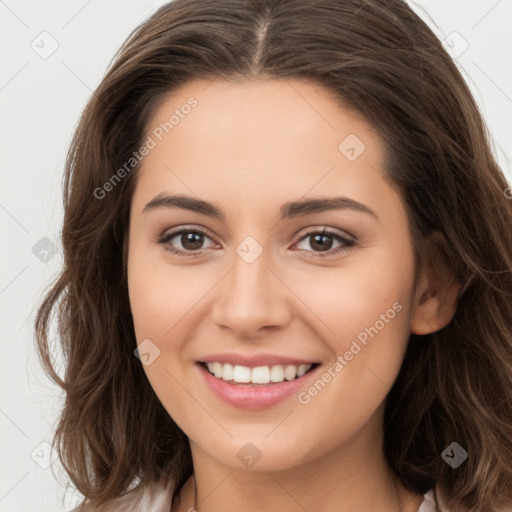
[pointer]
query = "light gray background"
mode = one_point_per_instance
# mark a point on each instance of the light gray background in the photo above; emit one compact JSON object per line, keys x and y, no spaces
{"x":41,"y":97}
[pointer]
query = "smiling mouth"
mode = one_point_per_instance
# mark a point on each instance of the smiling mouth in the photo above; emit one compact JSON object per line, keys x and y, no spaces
{"x":257,"y":376}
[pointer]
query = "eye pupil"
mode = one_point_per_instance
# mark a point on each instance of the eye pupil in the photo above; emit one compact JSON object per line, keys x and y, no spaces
{"x":194,"y":239}
{"x":320,"y":241}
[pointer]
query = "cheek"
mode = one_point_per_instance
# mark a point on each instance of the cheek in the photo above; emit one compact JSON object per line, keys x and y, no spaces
{"x":162,"y":300}
{"x":161,"y":294}
{"x":364,"y":310}
{"x":343,"y":306}
{"x":367,"y":308}
{"x":349,"y":300}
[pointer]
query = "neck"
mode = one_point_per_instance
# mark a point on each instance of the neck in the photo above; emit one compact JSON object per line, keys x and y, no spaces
{"x":351,"y":478}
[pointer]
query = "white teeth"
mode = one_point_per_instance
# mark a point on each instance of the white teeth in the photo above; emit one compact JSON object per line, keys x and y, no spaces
{"x":241,"y":374}
{"x":227,"y":371}
{"x":257,"y":375}
{"x":217,"y":370}
{"x":290,"y":372}
{"x":277,"y":373}
{"x":302,"y":369}
{"x":260,"y":375}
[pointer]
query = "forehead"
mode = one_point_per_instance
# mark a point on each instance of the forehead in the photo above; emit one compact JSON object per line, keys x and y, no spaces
{"x":250,"y":138}
{"x":256,"y":117}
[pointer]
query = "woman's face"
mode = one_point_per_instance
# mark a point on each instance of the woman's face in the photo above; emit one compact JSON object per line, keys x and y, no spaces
{"x":261,"y":168}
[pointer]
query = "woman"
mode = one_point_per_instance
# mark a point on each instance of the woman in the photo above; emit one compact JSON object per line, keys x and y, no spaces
{"x":288,"y":274}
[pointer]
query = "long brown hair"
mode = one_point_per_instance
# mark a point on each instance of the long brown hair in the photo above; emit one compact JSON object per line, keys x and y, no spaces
{"x":381,"y":60}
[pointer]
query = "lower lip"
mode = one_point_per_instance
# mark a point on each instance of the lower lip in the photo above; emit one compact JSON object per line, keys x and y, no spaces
{"x":245,"y":396}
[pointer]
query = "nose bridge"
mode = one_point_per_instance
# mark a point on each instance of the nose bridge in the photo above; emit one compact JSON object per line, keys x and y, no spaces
{"x":251,"y":296}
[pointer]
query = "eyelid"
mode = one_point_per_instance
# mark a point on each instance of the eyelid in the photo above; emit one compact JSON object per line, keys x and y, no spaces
{"x":300,"y":234}
{"x":170,"y":233}
{"x":185,"y":227}
{"x":328,"y":230}
{"x":349,"y":241}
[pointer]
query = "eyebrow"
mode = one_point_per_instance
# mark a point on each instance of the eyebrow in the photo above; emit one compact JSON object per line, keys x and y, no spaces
{"x":287,"y":211}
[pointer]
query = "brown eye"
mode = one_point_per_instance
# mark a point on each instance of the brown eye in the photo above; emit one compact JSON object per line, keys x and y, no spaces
{"x":323,"y":241}
{"x":191,"y":241}
{"x":184,"y":241}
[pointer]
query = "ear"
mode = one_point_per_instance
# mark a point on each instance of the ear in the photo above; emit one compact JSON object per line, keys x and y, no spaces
{"x":435,"y":297}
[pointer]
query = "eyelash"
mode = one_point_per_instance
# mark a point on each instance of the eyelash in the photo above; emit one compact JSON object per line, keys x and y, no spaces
{"x":348,"y":243}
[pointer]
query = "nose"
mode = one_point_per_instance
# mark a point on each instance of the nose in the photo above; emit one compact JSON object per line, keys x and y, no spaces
{"x":251,"y":299}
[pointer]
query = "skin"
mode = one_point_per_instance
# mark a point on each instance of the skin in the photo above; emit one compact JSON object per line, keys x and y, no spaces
{"x":248,"y":147}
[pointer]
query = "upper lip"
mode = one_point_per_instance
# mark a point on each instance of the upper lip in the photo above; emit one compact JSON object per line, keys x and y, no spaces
{"x":254,"y":360}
